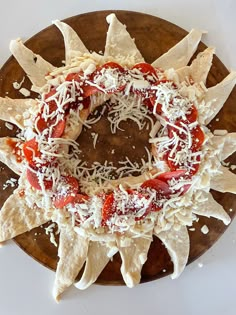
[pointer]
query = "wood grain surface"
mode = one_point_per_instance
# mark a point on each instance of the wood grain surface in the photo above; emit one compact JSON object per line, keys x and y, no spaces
{"x":153,"y":36}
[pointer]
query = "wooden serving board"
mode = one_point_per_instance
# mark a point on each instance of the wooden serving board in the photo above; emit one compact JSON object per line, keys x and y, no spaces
{"x":153,"y":37}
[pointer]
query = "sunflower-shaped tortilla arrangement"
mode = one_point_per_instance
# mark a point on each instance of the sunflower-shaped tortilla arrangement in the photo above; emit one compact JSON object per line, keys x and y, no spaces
{"x":102,"y":209}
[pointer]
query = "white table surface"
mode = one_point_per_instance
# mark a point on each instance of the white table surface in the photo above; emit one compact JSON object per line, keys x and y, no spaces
{"x":25,"y":286}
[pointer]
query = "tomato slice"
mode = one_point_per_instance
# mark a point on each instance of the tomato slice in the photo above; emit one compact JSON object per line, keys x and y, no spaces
{"x":74,"y":76}
{"x":172,"y":165}
{"x":89,"y":90}
{"x":197,"y":135}
{"x":58,"y":130}
{"x":160,"y":186}
{"x":150,"y":75}
{"x":158,"y":109}
{"x":192,"y":116}
{"x":197,"y":138}
{"x":190,"y":169}
{"x":153,"y":96}
{"x":31,"y":150}
{"x":151,"y":208}
{"x":34,"y":180}
{"x":194,"y":169}
{"x":50,"y":93}
{"x":86,"y":102}
{"x":74,"y":105}
{"x":174,"y":130}
{"x":52,"y":104}
{"x":165,"y":177}
{"x":108,"y":208}
{"x":42,"y":123}
{"x":16,"y":150}
{"x":68,"y":192}
{"x":177,"y":174}
{"x":147,"y":102}
{"x":185,"y":188}
{"x":81,"y":198}
{"x":146,"y":69}
{"x":109,"y":65}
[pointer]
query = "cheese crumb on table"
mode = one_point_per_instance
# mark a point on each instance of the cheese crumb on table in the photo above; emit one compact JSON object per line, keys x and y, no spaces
{"x":204,"y":229}
{"x":219,"y":132}
{"x":24,"y":92}
{"x":17,"y":85}
{"x":9,"y":125}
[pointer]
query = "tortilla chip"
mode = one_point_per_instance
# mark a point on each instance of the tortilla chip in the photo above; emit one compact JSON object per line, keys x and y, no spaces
{"x":34,"y":65}
{"x":133,"y":258}
{"x":211,"y":208}
{"x":227,"y":144}
{"x":98,"y":257}
{"x":17,"y":218}
{"x":177,"y":244}
{"x":119,"y":43}
{"x":179,"y":55}
{"x":73,"y":44}
{"x":13,"y":110}
{"x":8,"y":157}
{"x":224,"y":182}
{"x":72,"y":254}
{"x":218,"y":95}
{"x":199,"y":68}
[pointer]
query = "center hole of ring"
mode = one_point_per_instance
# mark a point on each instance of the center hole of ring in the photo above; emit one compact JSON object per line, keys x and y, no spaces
{"x":99,"y":144}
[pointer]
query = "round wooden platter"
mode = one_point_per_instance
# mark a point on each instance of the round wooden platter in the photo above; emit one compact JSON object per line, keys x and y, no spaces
{"x":153,"y":37}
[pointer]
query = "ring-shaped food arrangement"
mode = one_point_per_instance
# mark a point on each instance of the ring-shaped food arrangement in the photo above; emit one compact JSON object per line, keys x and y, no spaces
{"x":101,"y":209}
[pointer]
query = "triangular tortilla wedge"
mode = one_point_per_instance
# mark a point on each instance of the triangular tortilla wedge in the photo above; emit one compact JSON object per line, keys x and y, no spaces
{"x":34,"y":65}
{"x":229,"y":144}
{"x":224,"y":182}
{"x":13,"y":110}
{"x":73,"y":44}
{"x":179,"y":55}
{"x":16,"y":217}
{"x":8,"y":157}
{"x":133,"y":258}
{"x":199,"y":68}
{"x":177,"y":244}
{"x":72,"y":254}
{"x":211,"y":208}
{"x":98,"y":257}
{"x":119,"y":43}
{"x":218,"y":95}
